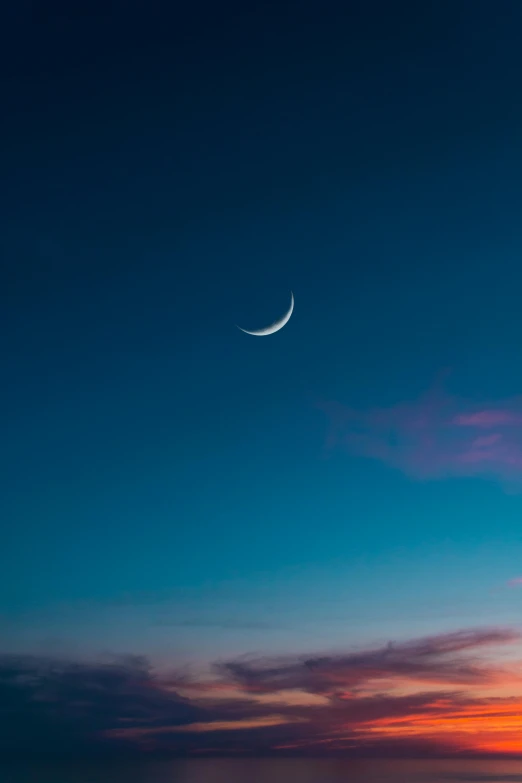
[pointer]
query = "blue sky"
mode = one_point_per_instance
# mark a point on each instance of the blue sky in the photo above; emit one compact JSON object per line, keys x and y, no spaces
{"x":167,"y":485}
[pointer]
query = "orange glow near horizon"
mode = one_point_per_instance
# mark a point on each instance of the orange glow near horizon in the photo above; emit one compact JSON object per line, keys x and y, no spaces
{"x":448,"y":694}
{"x":488,"y":728}
{"x":490,"y":721}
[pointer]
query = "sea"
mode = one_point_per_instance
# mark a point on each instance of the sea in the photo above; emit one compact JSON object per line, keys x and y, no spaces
{"x":267,"y":771}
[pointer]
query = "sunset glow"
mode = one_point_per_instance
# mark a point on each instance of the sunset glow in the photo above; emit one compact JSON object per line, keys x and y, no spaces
{"x":457,"y":693}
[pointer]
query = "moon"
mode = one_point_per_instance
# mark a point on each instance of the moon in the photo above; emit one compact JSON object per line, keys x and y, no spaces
{"x":276,"y":326}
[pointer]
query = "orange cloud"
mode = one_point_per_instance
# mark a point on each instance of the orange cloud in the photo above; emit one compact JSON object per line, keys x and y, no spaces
{"x":493,"y":728}
{"x":199,"y":728}
{"x":454,"y":693}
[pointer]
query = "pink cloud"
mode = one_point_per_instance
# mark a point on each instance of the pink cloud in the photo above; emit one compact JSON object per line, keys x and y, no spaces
{"x":435,"y":436}
{"x":488,"y":418}
{"x":458,"y":692}
{"x":517,"y":582}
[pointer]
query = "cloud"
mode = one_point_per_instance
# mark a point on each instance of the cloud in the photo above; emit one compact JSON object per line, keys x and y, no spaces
{"x":516,"y":582}
{"x":49,"y":705}
{"x":432,"y":660}
{"x":438,"y":695}
{"x":436,"y":436}
{"x":224,"y":624}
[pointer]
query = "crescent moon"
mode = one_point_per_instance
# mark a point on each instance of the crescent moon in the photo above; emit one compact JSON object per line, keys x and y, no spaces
{"x":276,"y":326}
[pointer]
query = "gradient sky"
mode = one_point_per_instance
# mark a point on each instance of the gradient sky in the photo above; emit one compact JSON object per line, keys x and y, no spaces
{"x":176,"y":489}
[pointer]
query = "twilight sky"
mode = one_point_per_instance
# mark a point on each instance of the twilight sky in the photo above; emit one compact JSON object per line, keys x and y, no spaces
{"x":226,"y":543}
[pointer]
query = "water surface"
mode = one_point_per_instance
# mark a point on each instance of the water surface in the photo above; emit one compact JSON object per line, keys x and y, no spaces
{"x":268,"y":771}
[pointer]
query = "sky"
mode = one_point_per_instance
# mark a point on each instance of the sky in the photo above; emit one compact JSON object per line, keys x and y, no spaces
{"x":308,"y":542}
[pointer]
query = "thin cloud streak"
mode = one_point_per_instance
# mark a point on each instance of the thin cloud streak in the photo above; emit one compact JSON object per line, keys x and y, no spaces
{"x":436,"y":436}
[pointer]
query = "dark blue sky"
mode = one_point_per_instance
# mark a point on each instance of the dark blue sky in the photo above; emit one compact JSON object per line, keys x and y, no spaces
{"x":170,"y":172}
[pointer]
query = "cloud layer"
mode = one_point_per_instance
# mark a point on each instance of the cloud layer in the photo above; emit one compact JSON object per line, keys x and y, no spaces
{"x":441,"y":695}
{"x":436,"y":436}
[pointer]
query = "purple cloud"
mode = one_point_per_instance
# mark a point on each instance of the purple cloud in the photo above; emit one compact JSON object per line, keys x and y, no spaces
{"x":436,"y":436}
{"x":488,"y":418}
{"x":437,"y":659}
{"x":397,"y":699}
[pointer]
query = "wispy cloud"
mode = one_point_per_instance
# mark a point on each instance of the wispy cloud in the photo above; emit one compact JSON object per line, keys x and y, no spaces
{"x":440,"y":695}
{"x":223,"y":624}
{"x":435,"y":436}
{"x":431,"y":660}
